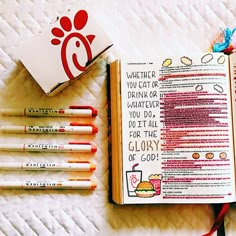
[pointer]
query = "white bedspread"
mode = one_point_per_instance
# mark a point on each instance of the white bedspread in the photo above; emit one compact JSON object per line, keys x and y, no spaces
{"x":137,"y":28}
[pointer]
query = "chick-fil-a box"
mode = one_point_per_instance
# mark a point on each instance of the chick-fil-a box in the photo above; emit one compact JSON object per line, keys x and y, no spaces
{"x":61,"y":53}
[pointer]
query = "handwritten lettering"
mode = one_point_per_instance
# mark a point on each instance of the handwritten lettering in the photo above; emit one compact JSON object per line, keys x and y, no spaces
{"x":145,"y":145}
{"x":143,"y":104}
{"x":141,"y":75}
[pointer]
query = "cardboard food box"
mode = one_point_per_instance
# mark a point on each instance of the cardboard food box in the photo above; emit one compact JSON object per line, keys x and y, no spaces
{"x":61,"y":53}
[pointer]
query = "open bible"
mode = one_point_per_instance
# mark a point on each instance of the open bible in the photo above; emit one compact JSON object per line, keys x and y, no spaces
{"x":172,"y":129}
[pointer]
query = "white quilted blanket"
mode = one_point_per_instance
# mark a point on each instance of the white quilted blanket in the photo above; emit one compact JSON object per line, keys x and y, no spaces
{"x":138,"y":28}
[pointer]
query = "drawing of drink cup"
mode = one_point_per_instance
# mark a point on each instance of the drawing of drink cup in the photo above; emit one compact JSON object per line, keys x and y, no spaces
{"x":133,"y":178}
{"x":155,"y":180}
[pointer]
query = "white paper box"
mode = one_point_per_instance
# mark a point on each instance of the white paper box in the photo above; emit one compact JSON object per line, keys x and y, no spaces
{"x":58,"y":55}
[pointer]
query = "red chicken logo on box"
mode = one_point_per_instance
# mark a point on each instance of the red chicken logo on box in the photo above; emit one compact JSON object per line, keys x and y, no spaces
{"x":69,"y":28}
{"x":64,"y":51}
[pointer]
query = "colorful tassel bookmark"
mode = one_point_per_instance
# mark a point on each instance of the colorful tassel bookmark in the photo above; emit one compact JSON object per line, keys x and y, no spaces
{"x":225,"y":41}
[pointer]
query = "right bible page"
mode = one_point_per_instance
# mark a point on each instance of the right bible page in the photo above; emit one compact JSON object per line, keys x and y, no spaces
{"x":196,"y":135}
{"x":232,"y":66}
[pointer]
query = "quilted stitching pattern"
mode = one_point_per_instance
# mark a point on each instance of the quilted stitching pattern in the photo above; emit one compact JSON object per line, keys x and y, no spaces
{"x":137,"y":28}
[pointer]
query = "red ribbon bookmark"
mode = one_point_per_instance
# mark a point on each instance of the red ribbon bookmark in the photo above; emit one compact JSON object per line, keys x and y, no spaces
{"x":219,"y":220}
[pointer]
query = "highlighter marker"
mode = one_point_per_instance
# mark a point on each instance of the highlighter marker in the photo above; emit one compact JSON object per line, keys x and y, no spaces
{"x":49,"y":184}
{"x":49,"y":166}
{"x":72,"y":111}
{"x":72,"y":128}
{"x":70,"y":147}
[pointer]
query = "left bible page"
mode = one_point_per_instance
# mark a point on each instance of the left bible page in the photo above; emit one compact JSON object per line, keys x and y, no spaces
{"x":177,"y":130}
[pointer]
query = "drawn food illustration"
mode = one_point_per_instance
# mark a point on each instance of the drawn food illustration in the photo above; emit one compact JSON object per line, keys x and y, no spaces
{"x":145,"y":189}
{"x":155,"y":176}
{"x":167,"y":62}
{"x":155,"y":180}
{"x":199,"y":87}
{"x":209,"y":155}
{"x":223,"y":155}
{"x":195,"y":155}
{"x":218,"y":88}
{"x":206,"y":58}
{"x":221,"y":59}
{"x":186,"y":61}
{"x":133,"y":178}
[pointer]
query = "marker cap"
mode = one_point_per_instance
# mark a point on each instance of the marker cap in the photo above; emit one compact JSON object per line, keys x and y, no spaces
{"x":93,"y":183}
{"x":75,"y":161}
{"x":93,"y":146}
{"x":92,"y":165}
{"x":94,"y":128}
{"x":94,"y":111}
